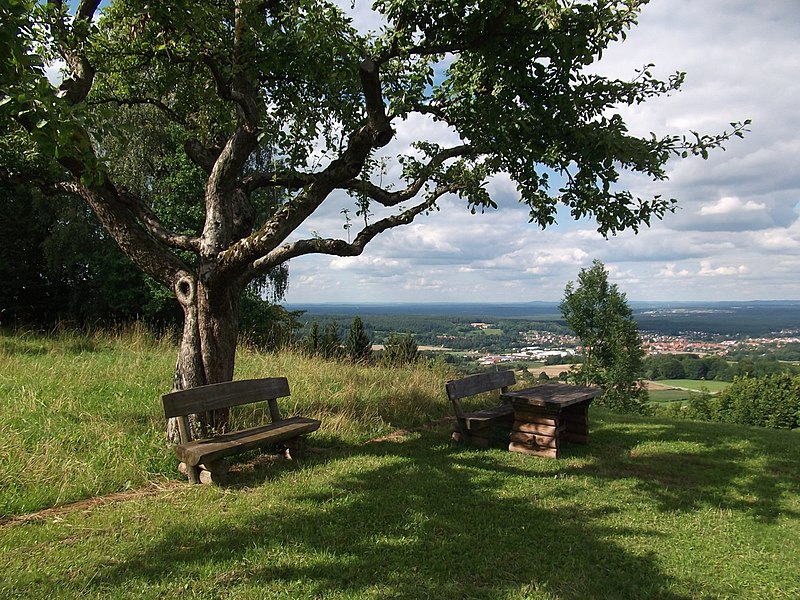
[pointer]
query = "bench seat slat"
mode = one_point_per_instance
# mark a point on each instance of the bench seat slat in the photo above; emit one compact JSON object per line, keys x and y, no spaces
{"x":210,"y":449}
{"x":481,"y":418}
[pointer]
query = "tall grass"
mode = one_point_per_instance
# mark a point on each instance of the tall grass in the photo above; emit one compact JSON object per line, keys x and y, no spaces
{"x":354,"y":402}
{"x":82,"y":411}
{"x":80,"y":415}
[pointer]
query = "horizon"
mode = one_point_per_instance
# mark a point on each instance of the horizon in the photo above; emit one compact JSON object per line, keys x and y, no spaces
{"x":528,"y":302}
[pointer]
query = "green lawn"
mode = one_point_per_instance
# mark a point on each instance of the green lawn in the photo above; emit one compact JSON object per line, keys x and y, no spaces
{"x":651,"y":508}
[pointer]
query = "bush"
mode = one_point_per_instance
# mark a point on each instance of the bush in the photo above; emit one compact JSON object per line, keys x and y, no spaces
{"x":771,"y":401}
{"x":400,"y":350}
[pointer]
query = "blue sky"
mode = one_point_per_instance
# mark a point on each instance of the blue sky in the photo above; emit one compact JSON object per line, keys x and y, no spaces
{"x":736,"y":235}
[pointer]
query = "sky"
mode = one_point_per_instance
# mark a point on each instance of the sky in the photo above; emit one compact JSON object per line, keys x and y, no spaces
{"x":736,"y":235}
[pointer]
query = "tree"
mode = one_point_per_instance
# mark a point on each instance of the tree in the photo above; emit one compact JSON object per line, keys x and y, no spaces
{"x":237,"y":82}
{"x":599,"y":315}
{"x":694,"y":367}
{"x":331,"y":342}
{"x":58,"y":265}
{"x":312,"y":343}
{"x":357,"y":345}
{"x":400,"y":350}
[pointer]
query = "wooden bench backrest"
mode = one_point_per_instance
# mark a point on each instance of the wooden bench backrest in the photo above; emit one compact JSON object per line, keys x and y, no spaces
{"x":472,"y":385}
{"x":224,"y":395}
{"x":478,"y":384}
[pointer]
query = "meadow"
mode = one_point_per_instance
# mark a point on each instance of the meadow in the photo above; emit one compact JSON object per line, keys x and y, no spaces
{"x":675,"y":390}
{"x":696,"y":385}
{"x":385,"y":506}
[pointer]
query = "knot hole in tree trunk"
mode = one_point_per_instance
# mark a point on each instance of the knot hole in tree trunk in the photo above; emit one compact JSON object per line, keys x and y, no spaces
{"x":185,"y":291}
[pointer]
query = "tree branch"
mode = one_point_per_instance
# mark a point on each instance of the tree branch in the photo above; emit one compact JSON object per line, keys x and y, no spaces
{"x":373,"y":98}
{"x":386,"y":198}
{"x":229,"y":212}
{"x":86,"y":9}
{"x":120,"y":221}
{"x":376,"y":133}
{"x":340,"y":247}
{"x":288,"y":180}
{"x":154,"y":226}
{"x":170,"y":114}
{"x":200,"y":155}
{"x":76,"y":87}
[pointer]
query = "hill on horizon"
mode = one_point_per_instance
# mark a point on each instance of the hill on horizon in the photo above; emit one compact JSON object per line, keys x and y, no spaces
{"x":736,"y":318}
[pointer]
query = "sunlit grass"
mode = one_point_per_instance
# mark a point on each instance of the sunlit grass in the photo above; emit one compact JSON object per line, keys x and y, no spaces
{"x":650,"y":509}
{"x":84,"y":414}
{"x":696,"y":384}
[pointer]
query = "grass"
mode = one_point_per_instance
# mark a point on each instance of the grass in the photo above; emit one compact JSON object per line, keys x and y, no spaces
{"x":83,"y":418}
{"x":659,"y":396}
{"x":80,"y":416}
{"x":695,"y":384}
{"x":675,"y":390}
{"x":651,"y":508}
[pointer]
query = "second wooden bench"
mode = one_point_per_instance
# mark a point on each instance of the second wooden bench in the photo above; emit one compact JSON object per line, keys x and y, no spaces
{"x":478,"y":427}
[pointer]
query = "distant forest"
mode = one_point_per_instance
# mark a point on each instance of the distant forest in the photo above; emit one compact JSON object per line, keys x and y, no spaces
{"x":724,"y":319}
{"x":456,"y":333}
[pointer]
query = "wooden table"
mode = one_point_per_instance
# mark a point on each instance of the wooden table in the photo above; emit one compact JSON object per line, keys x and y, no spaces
{"x":546,"y":415}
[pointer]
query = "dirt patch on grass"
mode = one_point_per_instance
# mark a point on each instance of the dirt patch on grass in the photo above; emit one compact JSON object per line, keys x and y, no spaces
{"x":88,"y":504}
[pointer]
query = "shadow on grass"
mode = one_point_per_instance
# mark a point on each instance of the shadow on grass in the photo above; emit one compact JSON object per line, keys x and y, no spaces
{"x":685,"y":466}
{"x":408,"y":519}
{"x":417,"y":517}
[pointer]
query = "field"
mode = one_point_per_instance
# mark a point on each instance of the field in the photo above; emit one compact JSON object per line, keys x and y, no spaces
{"x":695,"y":385}
{"x":674,"y":390}
{"x":385,"y":507}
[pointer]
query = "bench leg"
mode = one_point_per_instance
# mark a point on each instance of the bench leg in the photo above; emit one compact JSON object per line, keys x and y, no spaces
{"x":193,"y":473}
{"x":214,"y":472}
{"x":294,"y":448}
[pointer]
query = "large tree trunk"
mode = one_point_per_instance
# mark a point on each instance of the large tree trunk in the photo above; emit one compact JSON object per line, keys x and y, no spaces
{"x":207,"y":350}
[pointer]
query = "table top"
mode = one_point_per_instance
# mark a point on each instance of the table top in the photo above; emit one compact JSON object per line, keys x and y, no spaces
{"x":556,"y":395}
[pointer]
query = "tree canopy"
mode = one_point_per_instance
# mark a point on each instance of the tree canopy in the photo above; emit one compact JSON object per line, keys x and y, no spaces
{"x":277,"y":107}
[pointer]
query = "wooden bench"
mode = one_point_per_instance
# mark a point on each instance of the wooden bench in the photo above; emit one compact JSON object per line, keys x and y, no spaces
{"x":478,"y":427}
{"x":203,"y":460}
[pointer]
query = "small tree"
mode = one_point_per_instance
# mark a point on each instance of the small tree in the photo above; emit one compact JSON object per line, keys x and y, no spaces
{"x":358,"y":346}
{"x":312,"y":343}
{"x":331,"y":343}
{"x":400,"y":350}
{"x":599,"y":315}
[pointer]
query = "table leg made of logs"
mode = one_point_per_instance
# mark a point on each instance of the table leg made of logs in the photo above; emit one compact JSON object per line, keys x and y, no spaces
{"x":549,"y":414}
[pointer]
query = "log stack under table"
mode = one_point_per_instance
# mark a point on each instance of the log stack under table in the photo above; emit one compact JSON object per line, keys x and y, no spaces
{"x":548,"y":415}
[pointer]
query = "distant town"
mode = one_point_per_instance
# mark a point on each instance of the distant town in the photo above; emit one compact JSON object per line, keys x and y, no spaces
{"x":544,"y":346}
{"x":536,"y":332}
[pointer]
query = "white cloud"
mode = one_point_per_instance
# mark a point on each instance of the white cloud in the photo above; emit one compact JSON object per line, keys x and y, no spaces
{"x":729,"y":205}
{"x":707,"y":270}
{"x":671,"y":272}
{"x":374,"y":264}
